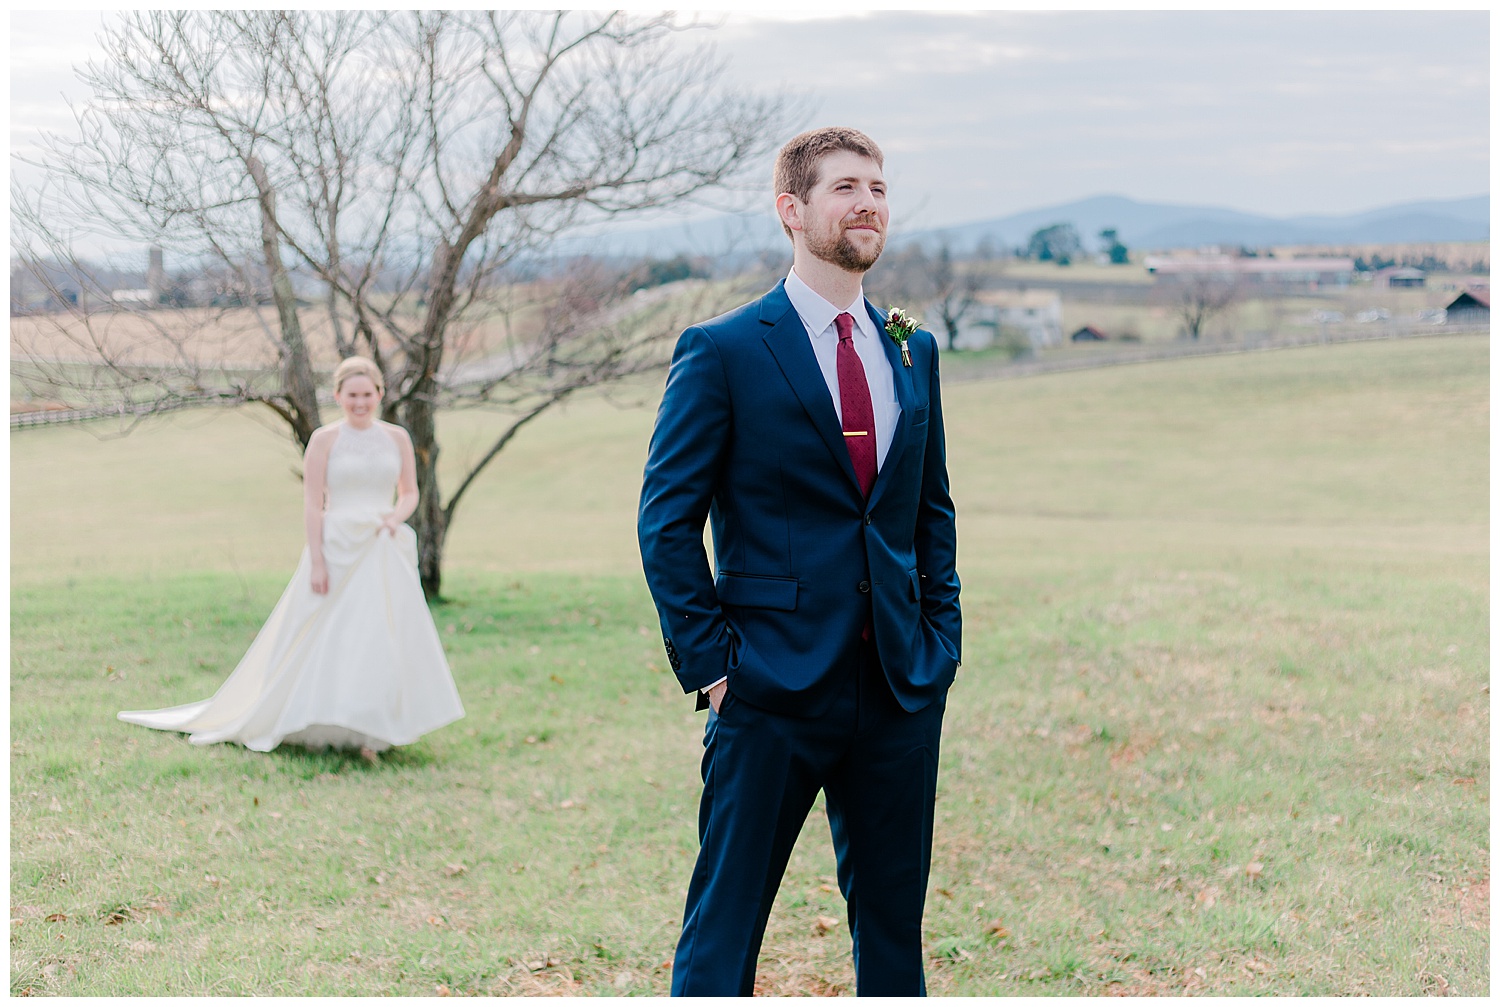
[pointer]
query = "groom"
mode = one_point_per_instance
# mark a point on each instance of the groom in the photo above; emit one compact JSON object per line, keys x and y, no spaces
{"x":825,"y":641}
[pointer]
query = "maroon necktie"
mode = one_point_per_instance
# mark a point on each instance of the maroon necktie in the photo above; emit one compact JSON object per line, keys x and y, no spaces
{"x":854,"y":401}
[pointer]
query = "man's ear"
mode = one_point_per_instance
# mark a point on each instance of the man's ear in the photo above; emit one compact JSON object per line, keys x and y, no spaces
{"x":789,"y":209}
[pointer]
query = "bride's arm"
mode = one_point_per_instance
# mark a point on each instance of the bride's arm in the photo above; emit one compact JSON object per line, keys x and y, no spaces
{"x":314,"y":485}
{"x":406,"y":486}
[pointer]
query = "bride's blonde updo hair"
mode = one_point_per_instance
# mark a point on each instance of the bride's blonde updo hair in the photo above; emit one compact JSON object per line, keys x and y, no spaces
{"x":350,"y":366}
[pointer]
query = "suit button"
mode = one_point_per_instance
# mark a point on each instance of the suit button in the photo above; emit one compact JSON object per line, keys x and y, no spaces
{"x":864,"y":587}
{"x":867,"y":519}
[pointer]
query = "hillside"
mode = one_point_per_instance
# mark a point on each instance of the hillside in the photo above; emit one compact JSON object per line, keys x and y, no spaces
{"x":1141,"y":225}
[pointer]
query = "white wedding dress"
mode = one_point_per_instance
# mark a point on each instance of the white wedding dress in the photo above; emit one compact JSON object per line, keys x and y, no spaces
{"x":358,"y":667}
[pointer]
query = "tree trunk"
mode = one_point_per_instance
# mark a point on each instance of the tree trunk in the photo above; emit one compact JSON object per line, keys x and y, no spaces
{"x":429,"y":520}
{"x":420,"y":413}
{"x":297,"y":380}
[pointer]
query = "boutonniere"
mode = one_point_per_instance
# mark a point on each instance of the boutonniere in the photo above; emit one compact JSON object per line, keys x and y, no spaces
{"x":899,"y":326}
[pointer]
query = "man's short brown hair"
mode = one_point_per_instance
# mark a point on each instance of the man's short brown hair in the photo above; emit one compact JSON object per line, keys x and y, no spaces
{"x":797,"y":164}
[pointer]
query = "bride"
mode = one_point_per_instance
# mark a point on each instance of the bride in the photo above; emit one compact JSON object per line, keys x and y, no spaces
{"x":349,"y":657}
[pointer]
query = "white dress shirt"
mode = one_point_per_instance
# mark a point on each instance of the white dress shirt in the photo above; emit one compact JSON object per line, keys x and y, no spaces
{"x":817,"y":317}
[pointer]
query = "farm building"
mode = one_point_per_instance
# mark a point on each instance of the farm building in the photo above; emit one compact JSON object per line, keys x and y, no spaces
{"x":1088,"y":334}
{"x":1472,"y":307}
{"x":1406,"y":277}
{"x":1033,"y":315}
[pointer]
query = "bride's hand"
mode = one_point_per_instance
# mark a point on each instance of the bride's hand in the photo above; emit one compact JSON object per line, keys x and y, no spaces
{"x":390,"y":524}
{"x":319,"y":579}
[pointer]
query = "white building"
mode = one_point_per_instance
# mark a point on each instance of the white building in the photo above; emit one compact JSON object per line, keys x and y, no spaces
{"x":1035,"y":315}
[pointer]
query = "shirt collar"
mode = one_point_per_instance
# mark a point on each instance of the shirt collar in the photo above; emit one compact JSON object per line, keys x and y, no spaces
{"x":818,"y":314}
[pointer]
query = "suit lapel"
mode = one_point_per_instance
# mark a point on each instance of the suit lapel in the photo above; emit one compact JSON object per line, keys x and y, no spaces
{"x":787,"y":340}
{"x":905,"y":395}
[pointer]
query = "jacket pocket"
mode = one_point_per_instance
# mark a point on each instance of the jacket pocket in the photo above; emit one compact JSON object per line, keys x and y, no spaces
{"x":750,"y":591}
{"x":916,"y":585}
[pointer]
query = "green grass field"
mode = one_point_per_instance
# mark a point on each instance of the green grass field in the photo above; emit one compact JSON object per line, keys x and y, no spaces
{"x":1222,"y":725}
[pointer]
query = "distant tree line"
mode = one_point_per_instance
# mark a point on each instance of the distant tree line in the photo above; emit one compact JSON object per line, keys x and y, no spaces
{"x":658,"y":272}
{"x":1426,"y":261}
{"x":1061,"y":244}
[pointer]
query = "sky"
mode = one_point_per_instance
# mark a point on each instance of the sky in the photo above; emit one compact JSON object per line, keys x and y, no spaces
{"x":986,"y":114}
{"x":983,"y":114}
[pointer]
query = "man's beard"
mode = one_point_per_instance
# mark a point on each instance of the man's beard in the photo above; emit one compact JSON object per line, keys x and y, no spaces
{"x":840,"y":251}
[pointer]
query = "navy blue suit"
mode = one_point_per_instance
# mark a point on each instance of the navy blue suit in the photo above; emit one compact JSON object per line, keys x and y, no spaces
{"x":748,"y":439}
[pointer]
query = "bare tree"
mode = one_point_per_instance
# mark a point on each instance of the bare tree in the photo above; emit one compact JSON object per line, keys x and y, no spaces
{"x":1200,"y":297}
{"x":406,"y":166}
{"x":955,"y":292}
{"x":933,"y":281}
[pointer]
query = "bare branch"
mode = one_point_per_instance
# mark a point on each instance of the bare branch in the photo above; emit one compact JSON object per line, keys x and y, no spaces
{"x":373,"y":181}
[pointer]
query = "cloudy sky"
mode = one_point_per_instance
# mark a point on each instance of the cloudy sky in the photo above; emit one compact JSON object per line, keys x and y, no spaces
{"x":987,"y":113}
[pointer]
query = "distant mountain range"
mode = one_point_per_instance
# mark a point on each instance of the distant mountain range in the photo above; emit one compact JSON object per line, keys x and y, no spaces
{"x":1142,"y":226}
{"x":1164,"y":225}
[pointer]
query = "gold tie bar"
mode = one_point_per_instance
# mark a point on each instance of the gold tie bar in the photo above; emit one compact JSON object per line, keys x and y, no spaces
{"x":856,"y":433}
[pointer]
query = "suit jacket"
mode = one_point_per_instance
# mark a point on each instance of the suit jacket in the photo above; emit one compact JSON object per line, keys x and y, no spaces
{"x":747,"y":437}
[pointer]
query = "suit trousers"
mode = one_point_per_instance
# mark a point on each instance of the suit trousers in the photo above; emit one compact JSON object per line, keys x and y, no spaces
{"x":877,"y":766}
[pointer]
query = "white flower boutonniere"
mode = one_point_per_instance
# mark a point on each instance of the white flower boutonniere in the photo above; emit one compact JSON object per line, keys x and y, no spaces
{"x":899,"y":326}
